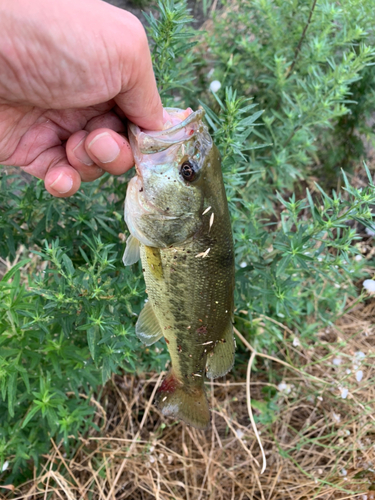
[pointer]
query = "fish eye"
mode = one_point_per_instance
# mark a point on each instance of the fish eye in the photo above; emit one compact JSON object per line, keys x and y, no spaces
{"x":188,"y":171}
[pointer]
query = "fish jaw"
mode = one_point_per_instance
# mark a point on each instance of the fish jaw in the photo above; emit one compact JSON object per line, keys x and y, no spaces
{"x":181,"y":126}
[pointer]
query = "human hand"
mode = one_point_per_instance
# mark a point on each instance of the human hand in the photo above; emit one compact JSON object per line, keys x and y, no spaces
{"x":70,"y":72}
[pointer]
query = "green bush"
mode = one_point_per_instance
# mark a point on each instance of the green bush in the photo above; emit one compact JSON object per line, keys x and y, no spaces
{"x":68,"y":308}
{"x":306,"y":64}
{"x":67,"y":328}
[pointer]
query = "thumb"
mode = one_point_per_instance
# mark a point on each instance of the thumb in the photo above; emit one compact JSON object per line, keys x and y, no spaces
{"x":139,"y":99}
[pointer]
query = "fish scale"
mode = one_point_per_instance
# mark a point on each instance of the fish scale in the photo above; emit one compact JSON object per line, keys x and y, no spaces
{"x":190,"y":283}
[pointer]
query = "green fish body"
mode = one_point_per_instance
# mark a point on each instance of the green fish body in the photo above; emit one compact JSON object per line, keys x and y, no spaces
{"x":177,"y":214}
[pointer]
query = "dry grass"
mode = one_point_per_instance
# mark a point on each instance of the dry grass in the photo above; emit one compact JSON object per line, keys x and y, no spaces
{"x":319,"y":446}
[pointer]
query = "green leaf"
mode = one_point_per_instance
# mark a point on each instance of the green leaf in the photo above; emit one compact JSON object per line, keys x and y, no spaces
{"x":7,"y":276}
{"x":12,"y":389}
{"x":68,"y":264}
{"x":106,"y":369}
{"x":284,"y":262}
{"x":30,"y":415}
{"x":93,"y":338}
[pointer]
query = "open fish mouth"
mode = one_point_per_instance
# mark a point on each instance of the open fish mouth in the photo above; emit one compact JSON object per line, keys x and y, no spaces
{"x":188,"y":124}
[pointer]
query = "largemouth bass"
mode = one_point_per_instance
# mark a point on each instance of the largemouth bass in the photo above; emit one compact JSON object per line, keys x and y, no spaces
{"x":177,"y":213}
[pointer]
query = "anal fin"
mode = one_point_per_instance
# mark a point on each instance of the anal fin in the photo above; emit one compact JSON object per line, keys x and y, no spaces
{"x":132,"y":251}
{"x":221,"y":359}
{"x":147,"y":327}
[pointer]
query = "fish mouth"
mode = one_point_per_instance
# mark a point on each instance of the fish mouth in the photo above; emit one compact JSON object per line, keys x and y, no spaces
{"x":150,"y":142}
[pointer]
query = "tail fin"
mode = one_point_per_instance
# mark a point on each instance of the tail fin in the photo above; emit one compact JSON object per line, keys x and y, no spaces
{"x":183,"y":403}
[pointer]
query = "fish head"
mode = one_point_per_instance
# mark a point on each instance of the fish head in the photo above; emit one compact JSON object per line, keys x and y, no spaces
{"x":164,"y":200}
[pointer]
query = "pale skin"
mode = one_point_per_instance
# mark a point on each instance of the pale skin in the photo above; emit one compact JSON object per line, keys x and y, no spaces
{"x":71,"y":73}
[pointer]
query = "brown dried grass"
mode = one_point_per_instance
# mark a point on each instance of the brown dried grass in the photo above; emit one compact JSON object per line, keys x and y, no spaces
{"x":320,"y":446}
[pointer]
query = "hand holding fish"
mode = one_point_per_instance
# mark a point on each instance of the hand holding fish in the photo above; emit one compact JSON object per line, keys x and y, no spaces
{"x":70,"y":72}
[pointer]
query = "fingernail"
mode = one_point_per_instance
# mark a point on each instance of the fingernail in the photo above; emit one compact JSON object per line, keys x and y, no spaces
{"x":81,"y":155}
{"x":62,"y":184}
{"x":104,"y":148}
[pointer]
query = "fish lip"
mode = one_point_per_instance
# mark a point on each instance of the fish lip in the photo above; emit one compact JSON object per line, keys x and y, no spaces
{"x":194,"y":117}
{"x":149,"y":141}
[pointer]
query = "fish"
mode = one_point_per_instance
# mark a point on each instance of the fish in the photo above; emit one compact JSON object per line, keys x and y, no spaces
{"x":177,"y":214}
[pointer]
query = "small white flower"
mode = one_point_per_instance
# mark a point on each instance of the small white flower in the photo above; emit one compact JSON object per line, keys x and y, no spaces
{"x":296,"y":342}
{"x":5,"y":466}
{"x":344,"y":392}
{"x":337,"y":285}
{"x":344,"y":472}
{"x":243,"y":264}
{"x":348,"y":371}
{"x":283,"y":387}
{"x":215,"y":86}
{"x":336,"y":417}
{"x":369,"y":285}
{"x":240,"y":434}
{"x":359,"y":375}
{"x":152,"y":459}
{"x":359,"y":355}
{"x":358,"y":258}
{"x":336,"y":361}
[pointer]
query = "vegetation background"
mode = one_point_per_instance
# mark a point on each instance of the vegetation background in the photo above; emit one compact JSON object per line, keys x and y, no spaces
{"x":293,"y":119}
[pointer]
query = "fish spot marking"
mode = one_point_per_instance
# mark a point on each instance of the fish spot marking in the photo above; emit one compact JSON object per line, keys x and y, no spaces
{"x":202,"y":329}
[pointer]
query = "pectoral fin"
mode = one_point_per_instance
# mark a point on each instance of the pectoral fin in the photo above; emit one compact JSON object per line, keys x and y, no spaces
{"x":132,"y":251}
{"x":221,"y":359}
{"x":147,"y":328}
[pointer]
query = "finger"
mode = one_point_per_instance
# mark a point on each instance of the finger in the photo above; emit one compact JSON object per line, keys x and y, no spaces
{"x":110,"y":151}
{"x":79,"y":159}
{"x":107,"y":120}
{"x":60,"y":178}
{"x":139,"y":100}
